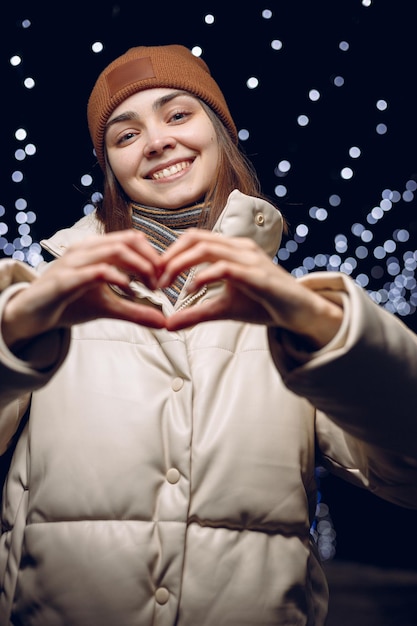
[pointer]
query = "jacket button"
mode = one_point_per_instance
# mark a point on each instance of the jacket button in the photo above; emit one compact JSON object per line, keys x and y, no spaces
{"x":177,"y":384}
{"x":259,"y":219}
{"x":173,"y":475}
{"x":162,"y":595}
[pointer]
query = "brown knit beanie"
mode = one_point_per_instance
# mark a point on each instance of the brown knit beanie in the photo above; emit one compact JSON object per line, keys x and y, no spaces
{"x":146,"y":67}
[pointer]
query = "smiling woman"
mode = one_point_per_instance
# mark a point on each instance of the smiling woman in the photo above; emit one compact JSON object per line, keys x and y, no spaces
{"x":167,"y":389}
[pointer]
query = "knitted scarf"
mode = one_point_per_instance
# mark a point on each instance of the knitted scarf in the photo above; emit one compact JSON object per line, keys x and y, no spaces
{"x":162,"y":227}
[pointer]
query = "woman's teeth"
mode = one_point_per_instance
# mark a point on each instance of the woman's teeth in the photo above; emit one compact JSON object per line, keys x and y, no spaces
{"x":169,"y":171}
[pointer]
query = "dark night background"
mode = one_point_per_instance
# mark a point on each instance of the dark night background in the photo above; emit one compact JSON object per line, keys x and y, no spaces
{"x":380,"y":63}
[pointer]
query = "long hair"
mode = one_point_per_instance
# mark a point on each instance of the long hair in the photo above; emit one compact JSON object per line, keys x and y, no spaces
{"x":234,"y":171}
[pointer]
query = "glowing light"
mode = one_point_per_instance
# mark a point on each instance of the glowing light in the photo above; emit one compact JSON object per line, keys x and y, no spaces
{"x":209,"y":19}
{"x":276,"y":44}
{"x":197,"y":51}
{"x":280,"y":191}
{"x":339,"y":81}
{"x":97,"y":47}
{"x":354,"y":152}
{"x":346,"y":173}
{"x":314,"y":95}
{"x":302,"y":120}
{"x":252,"y":82}
{"x":243,"y":134}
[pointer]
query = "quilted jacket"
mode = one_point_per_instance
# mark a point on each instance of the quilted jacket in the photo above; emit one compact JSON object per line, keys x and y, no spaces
{"x":167,"y":478}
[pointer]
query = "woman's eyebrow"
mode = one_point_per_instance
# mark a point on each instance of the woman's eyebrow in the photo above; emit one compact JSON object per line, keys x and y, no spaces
{"x":126,"y":116}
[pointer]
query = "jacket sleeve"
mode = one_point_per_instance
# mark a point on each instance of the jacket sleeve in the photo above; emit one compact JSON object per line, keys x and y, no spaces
{"x":364,"y":388}
{"x":30,"y":369}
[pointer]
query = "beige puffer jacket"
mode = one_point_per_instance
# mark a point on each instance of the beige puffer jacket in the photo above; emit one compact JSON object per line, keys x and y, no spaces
{"x":168,"y":478}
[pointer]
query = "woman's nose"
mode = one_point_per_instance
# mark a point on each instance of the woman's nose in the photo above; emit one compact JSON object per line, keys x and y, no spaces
{"x":158,"y":140}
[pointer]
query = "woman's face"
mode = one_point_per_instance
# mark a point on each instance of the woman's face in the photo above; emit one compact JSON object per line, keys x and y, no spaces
{"x":162,"y":148}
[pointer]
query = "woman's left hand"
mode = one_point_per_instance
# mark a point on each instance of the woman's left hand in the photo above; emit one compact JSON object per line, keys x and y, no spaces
{"x":256,"y":290}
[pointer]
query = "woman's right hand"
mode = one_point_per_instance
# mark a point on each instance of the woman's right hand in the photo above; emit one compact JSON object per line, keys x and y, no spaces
{"x":75,"y":288}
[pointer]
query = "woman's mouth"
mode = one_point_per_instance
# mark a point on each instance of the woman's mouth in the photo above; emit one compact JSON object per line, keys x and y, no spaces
{"x":166,"y":172}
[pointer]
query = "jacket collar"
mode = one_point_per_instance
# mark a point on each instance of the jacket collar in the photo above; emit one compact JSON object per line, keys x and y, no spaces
{"x":243,"y":216}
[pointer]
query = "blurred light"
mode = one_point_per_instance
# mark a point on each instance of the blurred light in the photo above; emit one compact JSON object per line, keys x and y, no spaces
{"x":276,"y":44}
{"x":381,"y":129}
{"x":209,"y":18}
{"x":382,"y":105}
{"x":243,"y":134}
{"x":314,"y":95}
{"x":280,"y":191}
{"x":15,"y":60}
{"x":343,"y":45}
{"x":354,"y":152}
{"x":335,"y":200}
{"x":97,"y":46}
{"x":252,"y":82}
{"x":29,"y":83}
{"x":302,"y":120}
{"x":346,"y":173}
{"x":267,"y":14}
{"x":339,"y":81}
{"x":197,"y":51}
{"x":20,"y":134}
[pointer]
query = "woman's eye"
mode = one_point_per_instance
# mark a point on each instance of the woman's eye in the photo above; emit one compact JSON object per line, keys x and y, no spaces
{"x":179,"y":116}
{"x":126,"y":137}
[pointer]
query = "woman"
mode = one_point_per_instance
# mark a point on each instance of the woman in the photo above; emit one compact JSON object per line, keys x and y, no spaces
{"x":169,"y":388}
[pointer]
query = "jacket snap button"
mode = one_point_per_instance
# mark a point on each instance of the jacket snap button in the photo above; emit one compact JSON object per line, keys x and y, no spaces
{"x":177,"y":384}
{"x":173,"y":475}
{"x":259,"y":219}
{"x":162,"y":595}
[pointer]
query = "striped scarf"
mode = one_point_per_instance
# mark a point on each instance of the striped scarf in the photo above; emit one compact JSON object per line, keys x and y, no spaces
{"x":162,"y":227}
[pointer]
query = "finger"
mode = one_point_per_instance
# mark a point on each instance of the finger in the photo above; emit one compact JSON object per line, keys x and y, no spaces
{"x":129,"y":251}
{"x":210,"y":251}
{"x":207,"y":311}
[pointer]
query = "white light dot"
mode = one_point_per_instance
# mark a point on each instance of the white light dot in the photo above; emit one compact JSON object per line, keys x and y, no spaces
{"x":382,"y":105}
{"x":334,"y":200}
{"x":197,"y":51}
{"x":15,"y":60}
{"x":314,"y":95}
{"x":17,"y":177}
{"x":243,"y":134}
{"x":97,"y":46}
{"x":209,"y":18}
{"x":381,"y":129}
{"x":26,"y":23}
{"x":29,"y":83}
{"x":284,"y":166}
{"x":252,"y":82}
{"x":346,"y":173}
{"x":20,"y":154}
{"x":276,"y":44}
{"x":280,"y":191}
{"x":339,"y":81}
{"x":366,"y":3}
{"x":30,"y":149}
{"x":343,"y":45}
{"x":354,"y":152}
{"x":302,"y":230}
{"x":86,"y":180}
{"x":20,"y":134}
{"x":302,"y":120}
{"x":321,"y":215}
{"x":21,"y":204}
{"x":267,"y":14}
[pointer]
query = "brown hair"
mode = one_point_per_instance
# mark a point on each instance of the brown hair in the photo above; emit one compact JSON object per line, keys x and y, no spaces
{"x":234,"y":171}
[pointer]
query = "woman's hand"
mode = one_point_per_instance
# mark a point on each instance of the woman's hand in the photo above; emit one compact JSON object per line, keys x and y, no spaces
{"x":75,"y":288}
{"x":255,"y":289}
